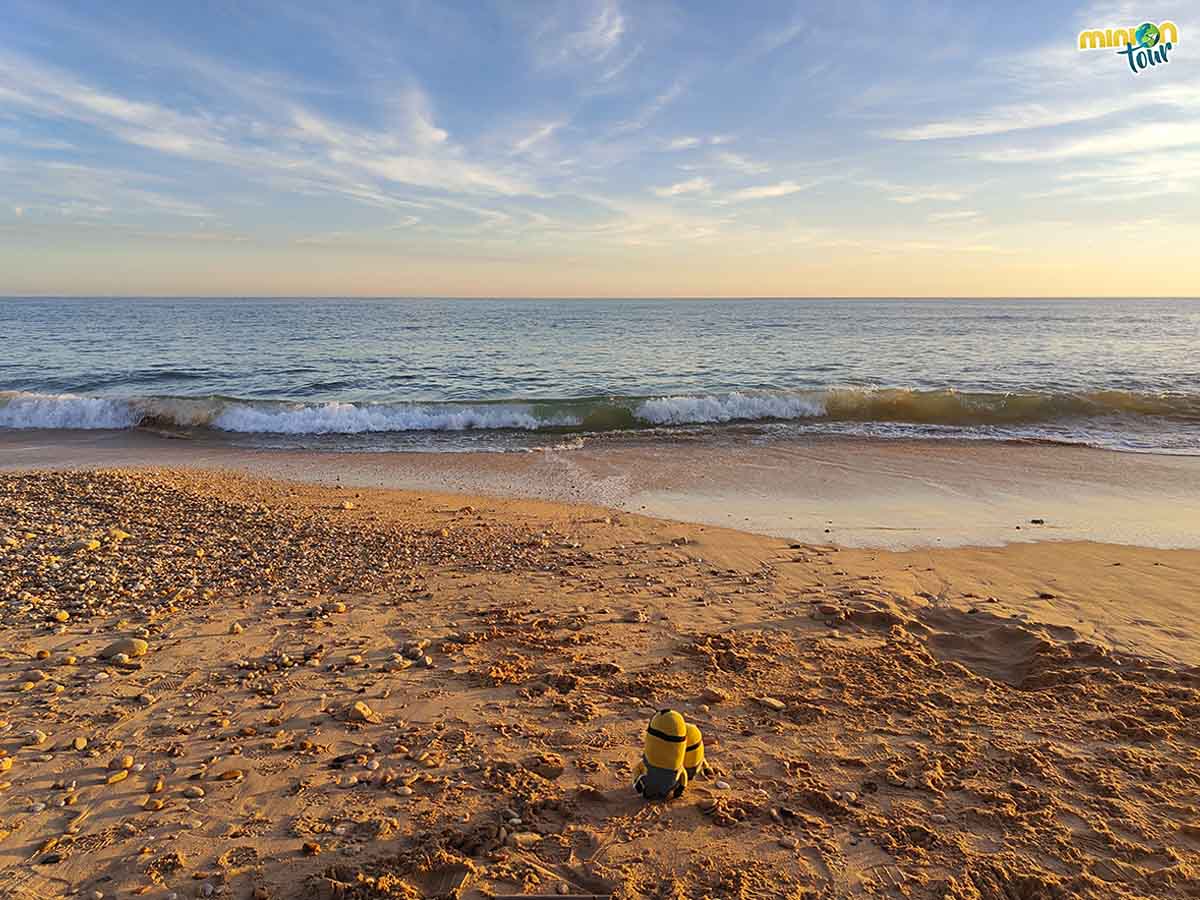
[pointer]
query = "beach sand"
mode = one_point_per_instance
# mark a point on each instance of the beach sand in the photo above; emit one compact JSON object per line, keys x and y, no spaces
{"x":360,"y":692}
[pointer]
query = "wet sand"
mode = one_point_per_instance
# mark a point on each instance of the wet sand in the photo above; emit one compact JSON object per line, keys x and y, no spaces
{"x":357,"y":692}
{"x":893,"y":494}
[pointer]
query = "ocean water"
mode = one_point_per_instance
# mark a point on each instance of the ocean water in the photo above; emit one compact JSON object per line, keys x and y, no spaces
{"x":445,"y":374}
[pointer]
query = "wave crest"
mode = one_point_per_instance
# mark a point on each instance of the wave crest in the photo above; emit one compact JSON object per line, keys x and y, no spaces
{"x":20,"y":410}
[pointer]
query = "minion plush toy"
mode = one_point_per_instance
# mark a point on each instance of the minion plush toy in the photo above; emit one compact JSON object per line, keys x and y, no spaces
{"x":693,"y":754}
{"x":659,"y":774}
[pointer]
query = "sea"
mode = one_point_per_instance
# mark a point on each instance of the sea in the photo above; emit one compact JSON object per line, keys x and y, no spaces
{"x":520,"y":375}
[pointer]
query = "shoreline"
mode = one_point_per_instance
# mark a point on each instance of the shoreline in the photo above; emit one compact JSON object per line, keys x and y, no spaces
{"x":891,"y":494}
{"x":945,"y":723}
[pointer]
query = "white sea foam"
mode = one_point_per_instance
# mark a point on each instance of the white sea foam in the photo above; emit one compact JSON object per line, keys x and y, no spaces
{"x":728,"y":408}
{"x":23,"y":410}
{"x":351,"y":418}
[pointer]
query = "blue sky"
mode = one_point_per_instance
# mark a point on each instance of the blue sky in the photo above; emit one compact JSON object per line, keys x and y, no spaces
{"x":597,"y":147}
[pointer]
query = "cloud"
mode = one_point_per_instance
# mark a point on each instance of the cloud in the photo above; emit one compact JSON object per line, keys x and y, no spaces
{"x":690,"y":142}
{"x":740,"y":163}
{"x":765,"y":191}
{"x":648,"y":112}
{"x":903,"y":193}
{"x":1030,"y":116}
{"x":591,"y":40}
{"x":537,"y":136}
{"x":1136,"y":139}
{"x":771,"y":40}
{"x":284,"y":141}
{"x":691,"y":186}
{"x":958,"y":215}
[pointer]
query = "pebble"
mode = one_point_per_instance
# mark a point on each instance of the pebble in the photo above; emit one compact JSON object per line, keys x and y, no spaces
{"x":129,"y":647}
{"x":721,"y":785}
{"x":772,"y":703}
{"x":360,"y":712}
{"x":193,"y":792}
{"x":119,"y":775}
{"x":120,"y":762}
{"x":236,"y":628}
{"x":789,"y":843}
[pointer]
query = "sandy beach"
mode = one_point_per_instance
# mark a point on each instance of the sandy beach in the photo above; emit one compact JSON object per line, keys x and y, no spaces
{"x":217,"y":684}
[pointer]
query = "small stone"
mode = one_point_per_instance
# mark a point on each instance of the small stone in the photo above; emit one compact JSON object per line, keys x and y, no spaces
{"x":35,"y":738}
{"x":714,"y":695}
{"x":348,"y":504}
{"x":69,"y":660}
{"x":120,"y":762}
{"x":80,"y":743}
{"x":721,"y":785}
{"x":193,"y":792}
{"x":87,"y":544}
{"x":354,"y":660}
{"x":231,"y":775}
{"x":310,"y":848}
{"x":42,"y":654}
{"x":206,"y":889}
{"x":236,"y":628}
{"x":789,"y":843}
{"x":772,"y":703}
{"x":128,"y":647}
{"x":153,"y":804}
{"x":117,"y":776}
{"x":524,"y":839}
{"x":360,"y":712}
{"x":62,"y":616}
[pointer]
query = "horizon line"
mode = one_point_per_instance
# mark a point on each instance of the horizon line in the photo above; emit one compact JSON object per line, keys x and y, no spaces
{"x":544,"y":297}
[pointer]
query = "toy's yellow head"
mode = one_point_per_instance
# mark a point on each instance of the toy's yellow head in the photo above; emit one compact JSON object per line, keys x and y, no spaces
{"x":694,"y":749}
{"x":665,"y":740}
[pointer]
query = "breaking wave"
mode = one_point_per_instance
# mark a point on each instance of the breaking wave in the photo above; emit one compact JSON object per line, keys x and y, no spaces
{"x":21,"y":410}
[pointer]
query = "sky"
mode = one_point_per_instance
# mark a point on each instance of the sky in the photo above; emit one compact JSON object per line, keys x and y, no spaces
{"x":594,"y":148}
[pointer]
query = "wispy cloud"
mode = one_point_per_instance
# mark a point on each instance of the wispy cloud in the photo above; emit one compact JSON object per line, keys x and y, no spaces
{"x":303,"y":146}
{"x":1136,"y":139}
{"x":958,"y":215}
{"x":650,"y":110}
{"x":778,"y":36}
{"x":740,"y":163}
{"x":691,"y":186}
{"x":537,"y":136}
{"x":766,"y":191}
{"x":566,"y":37}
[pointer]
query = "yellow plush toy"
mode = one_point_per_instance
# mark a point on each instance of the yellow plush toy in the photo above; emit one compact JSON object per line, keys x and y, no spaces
{"x":693,"y":754}
{"x":659,"y":774}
